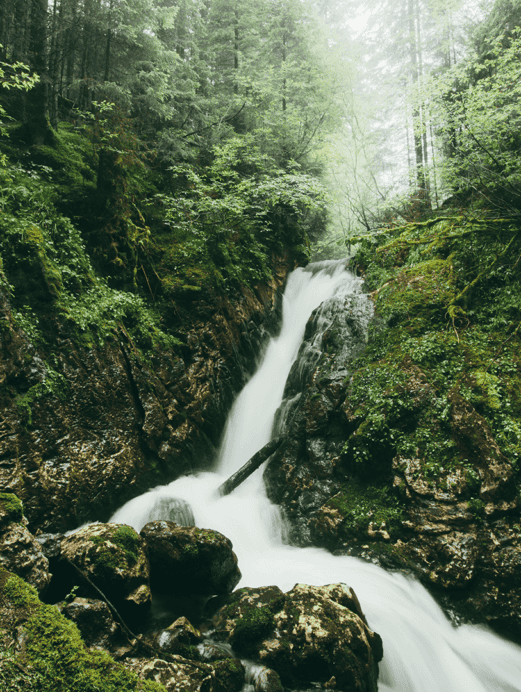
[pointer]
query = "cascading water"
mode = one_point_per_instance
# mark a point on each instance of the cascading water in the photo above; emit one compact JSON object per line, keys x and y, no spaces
{"x":423,"y":652}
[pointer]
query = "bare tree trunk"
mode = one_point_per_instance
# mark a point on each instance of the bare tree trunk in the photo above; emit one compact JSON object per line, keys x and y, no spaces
{"x":37,"y":127}
{"x":416,"y":117}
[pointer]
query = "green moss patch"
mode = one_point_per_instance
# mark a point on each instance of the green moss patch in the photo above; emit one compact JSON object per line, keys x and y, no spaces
{"x":362,"y":505}
{"x":120,"y":550}
{"x":55,"y":658}
{"x":446,"y":328}
{"x":11,"y":508}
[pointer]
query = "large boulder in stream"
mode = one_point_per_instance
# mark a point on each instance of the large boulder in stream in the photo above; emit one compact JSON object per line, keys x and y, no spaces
{"x":310,"y":634}
{"x":112,"y":557}
{"x":189,"y":559}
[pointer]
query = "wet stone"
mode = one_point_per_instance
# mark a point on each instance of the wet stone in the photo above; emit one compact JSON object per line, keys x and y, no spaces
{"x":94,"y":620}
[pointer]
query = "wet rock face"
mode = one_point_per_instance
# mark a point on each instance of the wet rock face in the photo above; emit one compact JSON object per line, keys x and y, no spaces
{"x":189,"y":560}
{"x":309,"y":468}
{"x":106,"y":425}
{"x":310,"y":634}
{"x":20,"y":553}
{"x":178,"y":638}
{"x":94,"y":620}
{"x":182,"y":675}
{"x":113,"y":558}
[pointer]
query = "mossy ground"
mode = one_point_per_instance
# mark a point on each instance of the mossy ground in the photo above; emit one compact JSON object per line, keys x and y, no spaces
{"x":447,"y":300}
{"x":54,"y":657}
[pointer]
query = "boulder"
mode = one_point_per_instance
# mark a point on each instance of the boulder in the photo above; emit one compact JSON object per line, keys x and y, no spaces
{"x":20,"y":553}
{"x":112,"y":556}
{"x":94,"y":620}
{"x":182,"y":675}
{"x":265,"y":680}
{"x":189,"y":559}
{"x":311,"y":634}
{"x":179,"y":637}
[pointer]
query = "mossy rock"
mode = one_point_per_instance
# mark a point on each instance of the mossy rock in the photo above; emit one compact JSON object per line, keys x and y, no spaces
{"x":113,"y":557}
{"x":11,"y":509}
{"x":418,"y":295}
{"x":54,"y":659}
{"x":35,"y":274}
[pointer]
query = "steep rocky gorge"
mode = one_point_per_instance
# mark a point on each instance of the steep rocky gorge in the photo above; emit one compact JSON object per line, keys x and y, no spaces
{"x":345,"y":484}
{"x":456,"y":526}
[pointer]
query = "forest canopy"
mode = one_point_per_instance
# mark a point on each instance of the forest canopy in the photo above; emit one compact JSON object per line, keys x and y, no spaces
{"x":182,"y":145}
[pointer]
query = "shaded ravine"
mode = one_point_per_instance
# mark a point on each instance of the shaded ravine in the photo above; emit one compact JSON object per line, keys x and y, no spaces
{"x":423,"y":652}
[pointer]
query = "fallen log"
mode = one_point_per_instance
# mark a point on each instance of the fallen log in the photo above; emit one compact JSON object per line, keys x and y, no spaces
{"x":250,"y":466}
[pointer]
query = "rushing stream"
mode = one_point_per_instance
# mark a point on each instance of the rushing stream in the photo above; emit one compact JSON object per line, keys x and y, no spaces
{"x":423,"y":652}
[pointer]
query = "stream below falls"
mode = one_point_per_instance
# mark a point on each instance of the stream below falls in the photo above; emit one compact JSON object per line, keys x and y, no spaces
{"x":423,"y":651}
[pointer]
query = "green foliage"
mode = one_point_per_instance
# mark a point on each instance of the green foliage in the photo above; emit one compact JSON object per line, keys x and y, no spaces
{"x":225,"y":219}
{"x":475,"y":107}
{"x":17,"y":76}
{"x":445,"y":292}
{"x":48,"y":268}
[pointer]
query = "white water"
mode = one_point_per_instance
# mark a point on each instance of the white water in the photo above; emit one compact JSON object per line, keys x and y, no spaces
{"x":423,"y":652}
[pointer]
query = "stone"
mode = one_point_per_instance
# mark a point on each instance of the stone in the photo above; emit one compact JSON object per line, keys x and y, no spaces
{"x":189,"y":559}
{"x":266,"y":680}
{"x":183,"y":675}
{"x":310,"y":634}
{"x":114,"y":559}
{"x":94,"y":620}
{"x":177,"y":638}
{"x":21,"y":554}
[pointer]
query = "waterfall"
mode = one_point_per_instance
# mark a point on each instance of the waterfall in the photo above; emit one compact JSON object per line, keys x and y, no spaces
{"x":423,"y":652}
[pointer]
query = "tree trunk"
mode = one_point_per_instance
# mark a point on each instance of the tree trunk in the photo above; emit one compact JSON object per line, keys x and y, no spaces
{"x":250,"y":466}
{"x":37,"y":129}
{"x":413,"y":54}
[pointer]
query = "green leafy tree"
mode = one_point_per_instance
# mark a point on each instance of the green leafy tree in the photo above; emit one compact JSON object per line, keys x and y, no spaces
{"x":478,"y":100}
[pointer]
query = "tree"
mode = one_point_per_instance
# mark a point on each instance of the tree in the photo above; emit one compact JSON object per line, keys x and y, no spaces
{"x":479,"y":99}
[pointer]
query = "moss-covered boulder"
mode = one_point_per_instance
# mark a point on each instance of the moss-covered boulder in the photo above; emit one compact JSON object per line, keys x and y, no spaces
{"x":189,"y":560}
{"x":112,"y":556}
{"x":310,"y":634}
{"x":20,"y":553}
{"x":41,"y":650}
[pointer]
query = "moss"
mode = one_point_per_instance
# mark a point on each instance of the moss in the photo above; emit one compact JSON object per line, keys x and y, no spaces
{"x":361,"y":505}
{"x":418,"y":295}
{"x":254,"y":624}
{"x":421,"y":351}
{"x":229,"y":675}
{"x":54,"y":653}
{"x":20,"y":594}
{"x":128,"y":539}
{"x":11,"y":508}
{"x":117,"y":551}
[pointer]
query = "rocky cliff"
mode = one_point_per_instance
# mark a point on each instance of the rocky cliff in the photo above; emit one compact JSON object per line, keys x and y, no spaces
{"x":403,"y":450}
{"x":105,"y":423}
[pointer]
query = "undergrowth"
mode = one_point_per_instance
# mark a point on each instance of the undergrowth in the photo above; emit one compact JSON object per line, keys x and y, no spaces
{"x":447,"y":295}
